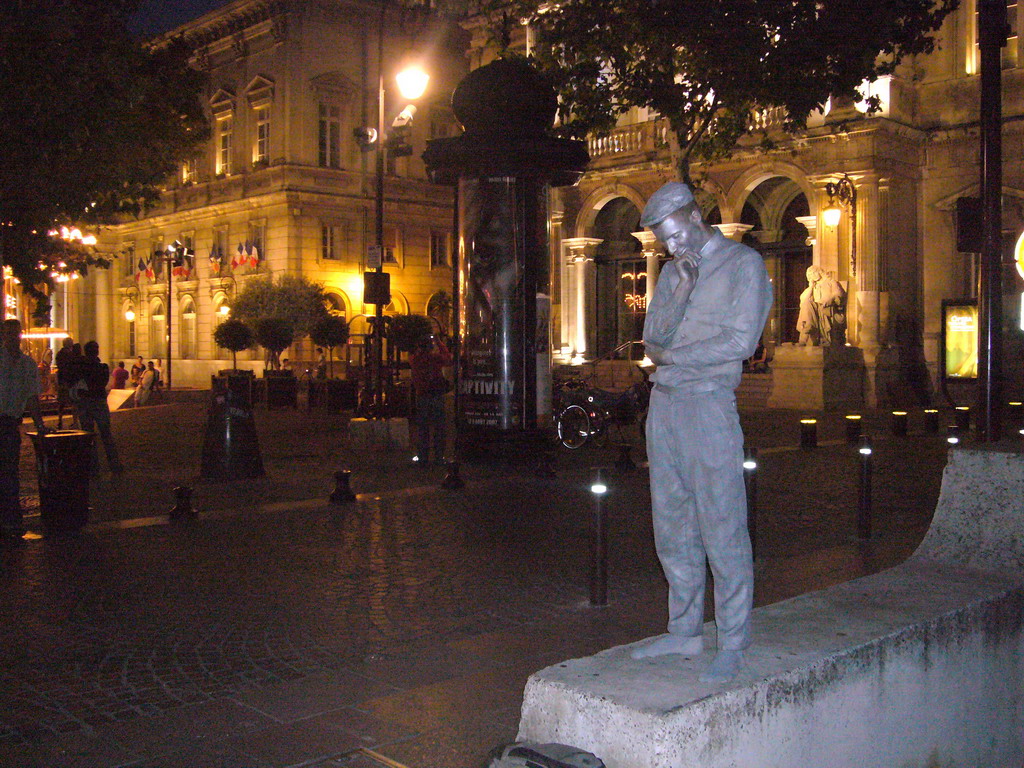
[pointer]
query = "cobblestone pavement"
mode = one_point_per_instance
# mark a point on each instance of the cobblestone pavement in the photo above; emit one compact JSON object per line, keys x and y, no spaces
{"x":277,"y":630}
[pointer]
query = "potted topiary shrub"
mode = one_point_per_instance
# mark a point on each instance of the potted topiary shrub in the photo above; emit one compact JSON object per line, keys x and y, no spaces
{"x":332,"y":331}
{"x":275,"y":334}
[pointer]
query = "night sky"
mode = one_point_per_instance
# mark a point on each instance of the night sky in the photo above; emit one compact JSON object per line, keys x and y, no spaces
{"x":156,"y":16}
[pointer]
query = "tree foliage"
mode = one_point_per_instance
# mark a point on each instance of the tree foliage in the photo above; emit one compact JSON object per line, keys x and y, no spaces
{"x":294,"y":298}
{"x":274,"y":334}
{"x":708,"y":65}
{"x":407,"y":332}
{"x":330,"y":332}
{"x":233,"y":335}
{"x":94,"y":121}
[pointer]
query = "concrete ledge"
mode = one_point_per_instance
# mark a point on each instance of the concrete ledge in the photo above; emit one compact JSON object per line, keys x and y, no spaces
{"x":920,"y":665}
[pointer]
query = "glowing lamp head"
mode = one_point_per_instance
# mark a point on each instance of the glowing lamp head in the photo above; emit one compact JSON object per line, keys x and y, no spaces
{"x":831,"y":216}
{"x":129,"y":315}
{"x":412,"y":82}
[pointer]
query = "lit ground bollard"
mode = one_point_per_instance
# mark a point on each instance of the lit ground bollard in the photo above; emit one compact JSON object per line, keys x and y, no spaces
{"x":963,"y":418}
{"x":808,"y":433}
{"x":898,"y":425}
{"x":1015,"y":413}
{"x":750,"y":483}
{"x":342,"y":493}
{"x":864,"y":490}
{"x":953,"y":434}
{"x":452,"y":481}
{"x":599,"y":551}
{"x":182,"y":509}
{"x":931,"y":420}
{"x":853,"y":427}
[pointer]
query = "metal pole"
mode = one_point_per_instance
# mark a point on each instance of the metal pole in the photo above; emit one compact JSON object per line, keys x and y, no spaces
{"x":750,"y":481}
{"x":599,"y":552}
{"x":167,"y":266}
{"x":992,"y":34}
{"x":378,"y":312}
{"x":864,"y":491}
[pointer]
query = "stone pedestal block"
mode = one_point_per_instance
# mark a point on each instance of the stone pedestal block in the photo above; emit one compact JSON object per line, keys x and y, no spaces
{"x":818,"y":378}
{"x":379,"y":434}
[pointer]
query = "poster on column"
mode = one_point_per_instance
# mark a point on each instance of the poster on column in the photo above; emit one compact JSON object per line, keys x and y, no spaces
{"x":490,"y":284}
{"x":960,"y":339}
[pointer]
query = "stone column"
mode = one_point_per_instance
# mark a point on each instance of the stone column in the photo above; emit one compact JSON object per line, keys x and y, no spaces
{"x":581,"y":255}
{"x":734,"y":231}
{"x":649,"y":245}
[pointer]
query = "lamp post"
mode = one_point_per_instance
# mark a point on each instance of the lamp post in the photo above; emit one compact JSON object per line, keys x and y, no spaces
{"x":174,"y":256}
{"x":843,"y":192}
{"x":412,"y":82}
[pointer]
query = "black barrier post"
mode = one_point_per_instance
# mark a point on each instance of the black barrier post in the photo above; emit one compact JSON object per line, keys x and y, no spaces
{"x":963,"y":418}
{"x":864,"y":490}
{"x":853,"y":427}
{"x":599,"y":551}
{"x":452,"y":481}
{"x":808,"y":433}
{"x":899,"y":423}
{"x":953,"y":434}
{"x":750,"y":481}
{"x":342,"y":493}
{"x":931,"y":420}
{"x":182,"y":509}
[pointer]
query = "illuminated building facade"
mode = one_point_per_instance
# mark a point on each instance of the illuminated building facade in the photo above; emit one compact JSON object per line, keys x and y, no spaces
{"x":893,"y":247}
{"x":282,"y":186}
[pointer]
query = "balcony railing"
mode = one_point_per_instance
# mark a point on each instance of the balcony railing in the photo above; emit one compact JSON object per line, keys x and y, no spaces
{"x":630,"y":139}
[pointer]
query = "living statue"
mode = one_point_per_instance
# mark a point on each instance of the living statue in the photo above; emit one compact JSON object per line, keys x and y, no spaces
{"x":705,"y":318}
{"x":822,"y":319}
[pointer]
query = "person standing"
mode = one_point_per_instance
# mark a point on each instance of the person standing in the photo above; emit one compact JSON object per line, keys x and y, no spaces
{"x":138,"y":368}
{"x":120,"y":376}
{"x":65,"y":355}
{"x":706,"y":316}
{"x":429,"y":383}
{"x":89,"y":379}
{"x":19,"y":390}
{"x":145,"y":385}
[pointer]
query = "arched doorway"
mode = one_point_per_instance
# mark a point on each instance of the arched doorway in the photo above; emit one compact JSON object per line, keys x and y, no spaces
{"x":621,"y":278}
{"x":771,"y":209}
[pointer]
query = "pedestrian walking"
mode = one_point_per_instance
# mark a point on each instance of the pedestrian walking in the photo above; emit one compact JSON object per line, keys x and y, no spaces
{"x":89,"y":388}
{"x":19,"y":390}
{"x":430,"y":385}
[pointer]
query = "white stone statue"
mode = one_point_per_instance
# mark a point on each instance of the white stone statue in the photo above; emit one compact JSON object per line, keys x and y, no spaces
{"x":822,"y":320}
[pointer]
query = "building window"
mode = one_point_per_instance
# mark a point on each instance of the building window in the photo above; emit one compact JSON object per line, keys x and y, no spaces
{"x":189,"y":171}
{"x":331,"y":238}
{"x":261,"y":144}
{"x":157,"y":329}
{"x":257,"y":239}
{"x":330,"y":136}
{"x":128,"y":312}
{"x":130,"y":259}
{"x":439,"y":249}
{"x":187,"y":342}
{"x":224,"y":130}
{"x":1009,"y":51}
{"x":392,"y":245}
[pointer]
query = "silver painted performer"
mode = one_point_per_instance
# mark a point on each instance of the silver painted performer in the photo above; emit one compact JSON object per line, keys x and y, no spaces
{"x":706,"y":316}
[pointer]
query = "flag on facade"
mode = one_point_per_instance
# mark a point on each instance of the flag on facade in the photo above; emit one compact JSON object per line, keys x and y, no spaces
{"x":215,"y":260}
{"x":253,"y":255}
{"x":140,"y":269}
{"x":239,"y":258}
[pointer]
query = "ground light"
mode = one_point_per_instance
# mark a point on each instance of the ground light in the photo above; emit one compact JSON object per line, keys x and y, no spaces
{"x":599,"y":551}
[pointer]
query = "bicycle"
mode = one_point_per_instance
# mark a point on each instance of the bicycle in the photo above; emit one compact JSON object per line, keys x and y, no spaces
{"x":587,"y":413}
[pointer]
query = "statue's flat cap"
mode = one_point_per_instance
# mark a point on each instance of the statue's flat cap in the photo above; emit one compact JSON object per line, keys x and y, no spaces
{"x":666,"y":201}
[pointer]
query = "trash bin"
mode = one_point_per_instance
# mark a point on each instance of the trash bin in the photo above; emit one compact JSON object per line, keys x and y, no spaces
{"x":62,"y":461}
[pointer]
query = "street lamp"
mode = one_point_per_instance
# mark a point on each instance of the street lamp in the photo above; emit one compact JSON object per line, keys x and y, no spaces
{"x":174,"y":256}
{"x":843,"y":193}
{"x":412,"y":82}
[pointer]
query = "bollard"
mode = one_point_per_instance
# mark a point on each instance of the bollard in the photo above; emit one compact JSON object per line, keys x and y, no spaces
{"x":182,"y":509}
{"x":853,"y":427}
{"x":1015,"y":412}
{"x":953,"y":434}
{"x":342,"y":493}
{"x":864,"y":490}
{"x":452,"y":481}
{"x":625,"y":462}
{"x":931,"y":420}
{"x":899,"y":423}
{"x":808,"y":433}
{"x":963,"y":418}
{"x":750,"y":482}
{"x":599,"y":551}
